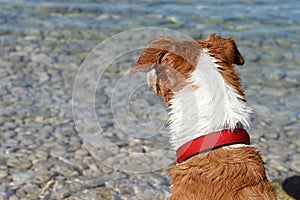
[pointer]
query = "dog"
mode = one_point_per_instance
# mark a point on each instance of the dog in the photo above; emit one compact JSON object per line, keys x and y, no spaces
{"x":208,"y":118}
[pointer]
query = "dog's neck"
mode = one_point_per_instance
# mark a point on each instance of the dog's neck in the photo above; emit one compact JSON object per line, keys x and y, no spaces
{"x":212,"y":106}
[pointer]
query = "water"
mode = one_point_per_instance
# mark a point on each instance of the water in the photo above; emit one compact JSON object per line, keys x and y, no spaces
{"x":255,"y":22}
{"x":44,"y":42}
{"x":232,"y":17}
{"x":267,"y":32}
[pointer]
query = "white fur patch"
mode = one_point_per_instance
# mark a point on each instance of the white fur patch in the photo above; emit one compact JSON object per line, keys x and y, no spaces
{"x":214,"y":106}
{"x":151,"y":76}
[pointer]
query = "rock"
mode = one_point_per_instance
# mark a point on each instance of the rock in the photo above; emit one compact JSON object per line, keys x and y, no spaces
{"x":3,"y":196}
{"x":22,"y":177}
{"x":281,"y":194}
{"x":271,"y":135}
{"x":3,"y":173}
{"x":57,"y":152}
{"x":42,"y":58}
{"x":44,"y":175}
{"x":42,"y":156}
{"x":20,"y":163}
{"x":19,"y":57}
{"x":295,"y":165}
{"x":291,"y":185}
{"x":14,"y":197}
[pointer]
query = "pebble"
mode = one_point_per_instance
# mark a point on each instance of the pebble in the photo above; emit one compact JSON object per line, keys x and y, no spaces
{"x":3,"y":173}
{"x":295,"y":165}
{"x":41,"y":155}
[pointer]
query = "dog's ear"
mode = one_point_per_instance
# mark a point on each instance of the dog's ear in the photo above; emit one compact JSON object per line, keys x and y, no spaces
{"x":153,"y":53}
{"x":235,"y":53}
{"x":226,"y":48}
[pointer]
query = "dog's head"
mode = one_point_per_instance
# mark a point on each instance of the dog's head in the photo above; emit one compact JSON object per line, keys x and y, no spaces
{"x":170,"y":63}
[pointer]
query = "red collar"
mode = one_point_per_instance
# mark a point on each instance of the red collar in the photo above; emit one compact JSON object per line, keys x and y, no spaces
{"x":211,"y":141}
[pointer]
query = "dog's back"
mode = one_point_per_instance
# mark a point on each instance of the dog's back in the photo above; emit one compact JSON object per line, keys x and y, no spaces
{"x":236,"y":173}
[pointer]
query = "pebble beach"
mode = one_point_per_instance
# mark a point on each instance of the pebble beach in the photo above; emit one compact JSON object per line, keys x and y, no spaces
{"x":47,"y":150}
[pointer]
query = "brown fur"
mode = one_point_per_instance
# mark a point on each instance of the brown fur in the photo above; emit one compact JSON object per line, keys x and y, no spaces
{"x":173,"y":61}
{"x":236,"y":173}
{"x":176,"y":60}
{"x":226,"y":51}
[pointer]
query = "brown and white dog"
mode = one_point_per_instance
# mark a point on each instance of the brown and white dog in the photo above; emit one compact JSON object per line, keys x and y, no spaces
{"x":208,"y":114}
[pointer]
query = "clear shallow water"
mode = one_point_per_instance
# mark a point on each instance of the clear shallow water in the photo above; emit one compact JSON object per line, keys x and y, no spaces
{"x":231,"y":17}
{"x":268,"y":27}
{"x":267,"y":32}
{"x":59,"y":34}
